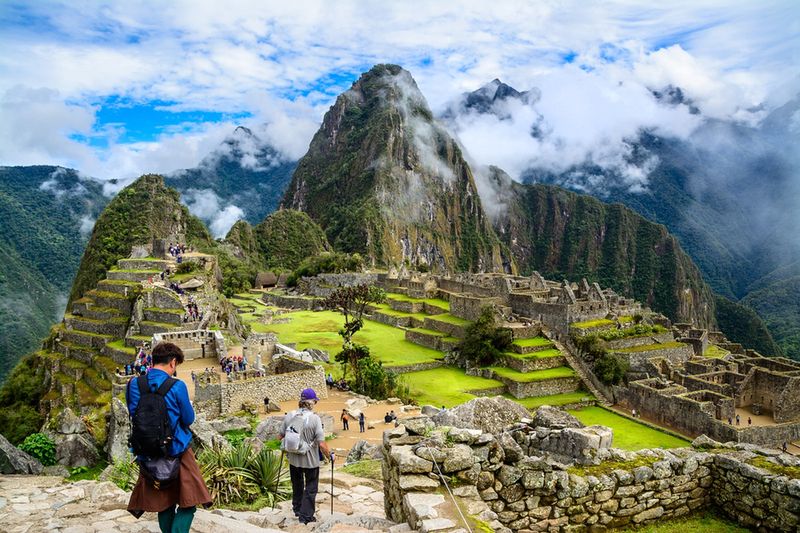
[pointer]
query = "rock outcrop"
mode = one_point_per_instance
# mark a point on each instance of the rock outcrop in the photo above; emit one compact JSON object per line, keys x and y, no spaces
{"x":75,"y":446}
{"x":15,"y":461}
{"x":488,"y":414}
{"x":119,"y":431}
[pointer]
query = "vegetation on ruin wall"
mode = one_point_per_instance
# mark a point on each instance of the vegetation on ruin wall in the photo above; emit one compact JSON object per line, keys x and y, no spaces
{"x":326,"y":263}
{"x":741,"y":324}
{"x":144,"y":210}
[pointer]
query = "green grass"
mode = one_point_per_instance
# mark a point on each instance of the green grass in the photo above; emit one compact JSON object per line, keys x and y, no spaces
{"x":386,"y":310}
{"x":120,"y":346}
{"x":536,"y":375}
{"x":650,"y":347}
{"x":606,"y":467}
{"x":704,"y":522}
{"x":438,"y":302}
{"x":555,"y":399}
{"x":533,"y":341}
{"x":445,"y":386}
{"x":792,"y":472}
{"x":628,"y":434}
{"x":429,"y":332}
{"x":318,"y":329}
{"x":368,"y":468}
{"x":588,"y":324}
{"x":450,"y":319}
{"x":541,"y":354}
{"x":83,"y":472}
{"x":715,"y":351}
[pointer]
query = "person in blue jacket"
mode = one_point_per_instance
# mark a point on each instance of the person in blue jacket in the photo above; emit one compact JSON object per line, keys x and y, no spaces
{"x":190,"y":489}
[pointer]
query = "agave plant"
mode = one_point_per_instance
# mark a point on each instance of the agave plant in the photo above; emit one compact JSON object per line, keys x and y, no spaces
{"x":239,"y":475}
{"x":226,"y":475}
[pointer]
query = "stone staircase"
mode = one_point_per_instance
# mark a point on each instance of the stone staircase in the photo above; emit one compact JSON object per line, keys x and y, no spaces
{"x":582,"y":370}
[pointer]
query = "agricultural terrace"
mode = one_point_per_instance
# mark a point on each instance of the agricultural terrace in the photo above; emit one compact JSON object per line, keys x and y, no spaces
{"x":444,"y":385}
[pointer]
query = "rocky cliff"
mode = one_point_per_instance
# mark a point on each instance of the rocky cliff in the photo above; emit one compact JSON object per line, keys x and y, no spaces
{"x":384,"y":179}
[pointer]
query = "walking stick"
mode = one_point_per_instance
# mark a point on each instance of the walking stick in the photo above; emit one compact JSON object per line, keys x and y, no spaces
{"x":333,"y":458}
{"x":277,"y":482}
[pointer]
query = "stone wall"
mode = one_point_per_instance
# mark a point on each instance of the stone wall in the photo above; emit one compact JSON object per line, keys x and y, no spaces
{"x":533,"y":363}
{"x":547,"y":387}
{"x":226,"y":397}
{"x":640,"y":361}
{"x":291,"y":302}
{"x":195,"y":344}
{"x":512,"y":482}
{"x":322,"y":285}
{"x":469,"y":307}
{"x":630,"y":342}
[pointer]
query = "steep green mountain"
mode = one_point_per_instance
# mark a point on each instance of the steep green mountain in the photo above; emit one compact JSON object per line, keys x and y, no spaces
{"x":244,"y":171}
{"x":280,"y":242}
{"x":779,"y":303}
{"x":567,"y":235}
{"x":728,"y":192}
{"x":383,"y":179}
{"x":144,"y":210}
{"x":47,"y":213}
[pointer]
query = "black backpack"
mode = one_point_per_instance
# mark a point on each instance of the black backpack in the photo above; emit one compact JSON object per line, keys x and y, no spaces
{"x":151,"y":431}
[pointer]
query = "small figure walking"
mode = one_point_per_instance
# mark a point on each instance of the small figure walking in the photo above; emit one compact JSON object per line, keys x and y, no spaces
{"x":345,"y":420}
{"x":749,"y":421}
{"x":633,"y":413}
{"x":737,"y":420}
{"x":784,"y":447}
{"x":730,"y":421}
{"x":361,"y":423}
{"x":266,"y":404}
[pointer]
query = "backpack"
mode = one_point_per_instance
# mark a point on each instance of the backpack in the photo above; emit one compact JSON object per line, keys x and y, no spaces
{"x":151,"y":430}
{"x":293,"y":441}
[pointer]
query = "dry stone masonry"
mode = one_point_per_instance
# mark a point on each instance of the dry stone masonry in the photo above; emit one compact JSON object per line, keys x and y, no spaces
{"x":551,"y":474}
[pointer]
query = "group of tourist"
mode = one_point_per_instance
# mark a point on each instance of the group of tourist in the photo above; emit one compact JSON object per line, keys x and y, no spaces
{"x":739,"y":420}
{"x":345,"y":419}
{"x":390,"y":417}
{"x":233,"y":363}
{"x":332,"y":384}
{"x":192,"y":313}
{"x":176,"y":250}
{"x":140,"y":366}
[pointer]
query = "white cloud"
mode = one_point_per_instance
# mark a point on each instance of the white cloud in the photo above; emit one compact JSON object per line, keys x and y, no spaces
{"x":283,"y":63}
{"x":206,"y":205}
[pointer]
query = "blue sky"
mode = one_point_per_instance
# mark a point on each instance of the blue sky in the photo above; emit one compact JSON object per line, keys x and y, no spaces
{"x":116,"y":89}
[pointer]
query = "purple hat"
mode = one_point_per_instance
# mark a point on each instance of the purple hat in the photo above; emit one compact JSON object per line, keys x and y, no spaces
{"x":309,"y":394}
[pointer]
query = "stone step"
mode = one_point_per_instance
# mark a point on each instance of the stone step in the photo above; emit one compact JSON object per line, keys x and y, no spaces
{"x":118,"y":286}
{"x":115,"y":327}
{"x":106,"y":366}
{"x":78,"y":352}
{"x":533,"y":344}
{"x":521,"y":363}
{"x":95,"y":380}
{"x":63,"y":385}
{"x":537,"y":383}
{"x":165,"y":316}
{"x":111,"y":299}
{"x":80,"y":306}
{"x":100,"y":313}
{"x":447,"y":324}
{"x":425,"y":337}
{"x":121,"y":355}
{"x":132,"y":275}
{"x":405,"y":306}
{"x":143,"y":264}
{"x":136,"y":341}
{"x":149,"y":328}
{"x":73,"y":368}
{"x":84,"y":338}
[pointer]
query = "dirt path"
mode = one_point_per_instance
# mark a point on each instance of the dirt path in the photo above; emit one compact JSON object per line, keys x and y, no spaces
{"x":332,"y":405}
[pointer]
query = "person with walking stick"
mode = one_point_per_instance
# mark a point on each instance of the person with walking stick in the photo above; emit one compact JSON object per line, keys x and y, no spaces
{"x":302,"y":440}
{"x":333,"y":460}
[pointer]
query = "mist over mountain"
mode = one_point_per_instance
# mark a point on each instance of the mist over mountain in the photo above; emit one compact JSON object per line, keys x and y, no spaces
{"x":726,"y":188}
{"x":48,"y":214}
{"x":244,"y":178}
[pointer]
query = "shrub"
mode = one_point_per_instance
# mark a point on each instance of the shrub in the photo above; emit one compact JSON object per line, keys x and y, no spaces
{"x":40,"y":446}
{"x":611,"y":369}
{"x":125,"y":472}
{"x":186,"y":267}
{"x":484,"y":343}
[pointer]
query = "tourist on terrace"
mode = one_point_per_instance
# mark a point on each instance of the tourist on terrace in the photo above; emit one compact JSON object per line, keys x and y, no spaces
{"x":361,"y":422}
{"x":737,"y":419}
{"x":749,"y":421}
{"x":345,"y":420}
{"x":266,"y":405}
{"x":387,"y":419}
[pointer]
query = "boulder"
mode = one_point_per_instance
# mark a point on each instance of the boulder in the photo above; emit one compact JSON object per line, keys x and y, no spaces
{"x":408,"y":462}
{"x":75,"y":450}
{"x":270,"y":428}
{"x":206,"y":435}
{"x":490,"y":415}
{"x":327,"y":423}
{"x":419,"y":425}
{"x":119,"y":430}
{"x":15,"y":461}
{"x":68,"y":423}
{"x":513,"y":451}
{"x":232,"y":423}
{"x":363,"y":450}
{"x":429,"y":410}
{"x":554,"y":418}
{"x":704,"y":441}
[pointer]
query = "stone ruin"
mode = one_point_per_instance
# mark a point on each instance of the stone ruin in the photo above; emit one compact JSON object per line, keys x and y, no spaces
{"x":550,"y":473}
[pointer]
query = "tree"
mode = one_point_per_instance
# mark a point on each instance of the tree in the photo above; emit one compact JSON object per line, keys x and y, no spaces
{"x":352,"y":303}
{"x":484,"y":342}
{"x":611,"y":369}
